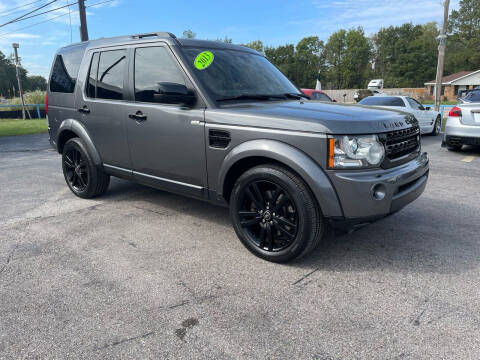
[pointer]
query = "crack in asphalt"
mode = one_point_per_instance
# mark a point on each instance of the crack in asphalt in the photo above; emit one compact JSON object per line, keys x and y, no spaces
{"x":122,"y":341}
{"x":305,"y":276}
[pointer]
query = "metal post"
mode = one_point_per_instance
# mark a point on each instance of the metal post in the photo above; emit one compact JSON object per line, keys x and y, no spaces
{"x":83,"y":21}
{"x":20,"y":89}
{"x":441,"y":55}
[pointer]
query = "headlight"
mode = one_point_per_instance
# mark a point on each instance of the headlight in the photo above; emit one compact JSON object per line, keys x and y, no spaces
{"x":354,"y":152}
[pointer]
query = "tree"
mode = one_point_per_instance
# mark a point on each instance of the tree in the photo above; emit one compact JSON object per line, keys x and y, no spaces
{"x":406,"y":55}
{"x":463,"y":42}
{"x":335,"y":49}
{"x":356,"y":61}
{"x":189,"y":34}
{"x":8,"y":80}
{"x":256,"y":45}
{"x":309,"y":61}
{"x":35,"y":82}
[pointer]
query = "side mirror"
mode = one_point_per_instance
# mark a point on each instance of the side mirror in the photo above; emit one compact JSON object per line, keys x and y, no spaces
{"x":428,"y":108}
{"x":334,"y":100}
{"x":172,"y":93}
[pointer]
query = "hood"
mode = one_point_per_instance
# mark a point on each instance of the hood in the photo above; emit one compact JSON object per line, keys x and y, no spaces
{"x":310,"y":116}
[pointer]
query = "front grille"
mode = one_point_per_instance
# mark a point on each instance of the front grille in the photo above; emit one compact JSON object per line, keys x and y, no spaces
{"x":402,"y":142}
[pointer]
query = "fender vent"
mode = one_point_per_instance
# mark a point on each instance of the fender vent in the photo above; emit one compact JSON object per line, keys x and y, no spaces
{"x":219,"y":139}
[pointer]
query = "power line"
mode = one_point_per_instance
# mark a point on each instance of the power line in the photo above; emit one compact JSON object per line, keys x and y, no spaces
{"x":55,"y":17}
{"x":23,"y":17}
{"x":12,"y":10}
{"x":35,"y":24}
{"x":42,"y":13}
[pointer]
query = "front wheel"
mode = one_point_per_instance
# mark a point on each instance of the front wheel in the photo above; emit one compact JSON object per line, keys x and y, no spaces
{"x":437,"y":127}
{"x":275,"y":214}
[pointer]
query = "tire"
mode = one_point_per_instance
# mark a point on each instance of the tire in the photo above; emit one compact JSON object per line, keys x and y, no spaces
{"x":437,"y":127}
{"x":81,"y":174}
{"x":275,"y":214}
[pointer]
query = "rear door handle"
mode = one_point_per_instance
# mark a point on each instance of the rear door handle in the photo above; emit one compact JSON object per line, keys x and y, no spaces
{"x":84,"y":109}
{"x":138,"y":116}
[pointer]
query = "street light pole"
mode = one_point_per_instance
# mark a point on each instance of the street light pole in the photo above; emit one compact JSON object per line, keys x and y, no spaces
{"x":441,"y":56}
{"x":19,"y":80}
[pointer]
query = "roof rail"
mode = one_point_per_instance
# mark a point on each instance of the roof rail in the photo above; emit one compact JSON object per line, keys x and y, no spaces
{"x":158,"y":34}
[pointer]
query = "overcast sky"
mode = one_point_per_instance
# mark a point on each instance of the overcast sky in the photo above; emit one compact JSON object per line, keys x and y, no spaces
{"x":275,"y":22}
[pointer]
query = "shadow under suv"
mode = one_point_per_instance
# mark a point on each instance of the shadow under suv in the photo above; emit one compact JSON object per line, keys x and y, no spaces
{"x":219,"y":122}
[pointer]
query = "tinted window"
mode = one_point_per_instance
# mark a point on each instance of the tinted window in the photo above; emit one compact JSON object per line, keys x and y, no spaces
{"x":65,"y":70}
{"x":473,"y":96}
{"x":154,"y":65}
{"x":111,"y":72}
{"x":415,"y":104}
{"x":92,"y":76}
{"x":235,"y":73}
{"x":382,"y":101}
{"x":320,"y":96}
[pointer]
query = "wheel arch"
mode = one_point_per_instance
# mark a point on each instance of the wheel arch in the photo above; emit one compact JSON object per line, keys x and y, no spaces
{"x":257,"y":152}
{"x":71,"y":128}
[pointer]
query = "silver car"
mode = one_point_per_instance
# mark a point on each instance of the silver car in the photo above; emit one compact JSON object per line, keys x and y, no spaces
{"x":463,"y":123}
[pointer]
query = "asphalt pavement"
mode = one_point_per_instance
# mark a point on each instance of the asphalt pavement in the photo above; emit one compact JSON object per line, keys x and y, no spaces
{"x":141,"y":273}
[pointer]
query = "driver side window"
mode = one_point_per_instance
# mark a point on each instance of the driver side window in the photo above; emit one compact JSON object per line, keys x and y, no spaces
{"x":154,"y":65}
{"x":415,"y":104}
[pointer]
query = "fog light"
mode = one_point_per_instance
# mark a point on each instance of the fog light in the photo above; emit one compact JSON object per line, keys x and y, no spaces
{"x":379,"y":192}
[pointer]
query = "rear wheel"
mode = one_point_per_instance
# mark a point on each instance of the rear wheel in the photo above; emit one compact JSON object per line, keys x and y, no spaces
{"x":274,"y":214}
{"x":83,"y":177}
{"x":437,"y":127}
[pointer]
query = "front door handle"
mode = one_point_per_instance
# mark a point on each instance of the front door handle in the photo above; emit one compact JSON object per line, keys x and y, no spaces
{"x":84,"y":109}
{"x":138,"y":116}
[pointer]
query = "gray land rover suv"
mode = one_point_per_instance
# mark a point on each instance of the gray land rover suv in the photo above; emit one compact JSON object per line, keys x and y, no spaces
{"x":219,"y":122}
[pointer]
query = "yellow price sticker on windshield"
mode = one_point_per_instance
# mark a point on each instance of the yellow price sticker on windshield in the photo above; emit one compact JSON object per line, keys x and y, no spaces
{"x":204,"y":60}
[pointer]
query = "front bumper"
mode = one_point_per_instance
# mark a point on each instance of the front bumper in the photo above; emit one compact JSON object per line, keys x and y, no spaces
{"x":401,"y":185}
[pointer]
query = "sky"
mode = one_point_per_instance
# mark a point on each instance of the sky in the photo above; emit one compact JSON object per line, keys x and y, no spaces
{"x":275,"y":22}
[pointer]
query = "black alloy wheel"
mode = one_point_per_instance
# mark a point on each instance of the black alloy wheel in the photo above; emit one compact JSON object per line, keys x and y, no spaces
{"x":83,"y":177}
{"x":268,"y":214}
{"x":275,"y":214}
{"x":76,"y":170}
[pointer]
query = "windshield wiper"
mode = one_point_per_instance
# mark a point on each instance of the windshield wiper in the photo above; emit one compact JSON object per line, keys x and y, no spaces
{"x":253,"y":97}
{"x":296,"y":96}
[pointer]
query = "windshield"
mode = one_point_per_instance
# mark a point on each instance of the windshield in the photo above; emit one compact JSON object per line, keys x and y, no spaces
{"x":230,"y":74}
{"x":382,"y":101}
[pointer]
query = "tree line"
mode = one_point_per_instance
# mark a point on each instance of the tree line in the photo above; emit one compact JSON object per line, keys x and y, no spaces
{"x":8,"y":78}
{"x":404,"y":56}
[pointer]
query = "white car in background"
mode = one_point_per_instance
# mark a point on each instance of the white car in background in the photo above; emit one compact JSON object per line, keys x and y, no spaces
{"x":430,"y":121}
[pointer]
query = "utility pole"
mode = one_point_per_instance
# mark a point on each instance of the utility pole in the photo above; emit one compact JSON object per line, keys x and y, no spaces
{"x":83,"y":21}
{"x":20,"y":89}
{"x":441,"y":56}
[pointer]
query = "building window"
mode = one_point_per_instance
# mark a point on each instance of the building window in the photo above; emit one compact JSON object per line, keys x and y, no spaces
{"x":432,"y":88}
{"x":443,"y":90}
{"x":456,"y":89}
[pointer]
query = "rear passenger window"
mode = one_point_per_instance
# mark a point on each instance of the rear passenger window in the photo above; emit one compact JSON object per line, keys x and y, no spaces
{"x":154,"y":65}
{"x":92,"y":76}
{"x":65,"y":71}
{"x":110,"y":75}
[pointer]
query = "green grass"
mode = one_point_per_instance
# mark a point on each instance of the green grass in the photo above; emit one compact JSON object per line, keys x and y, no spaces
{"x":12,"y":127}
{"x":455,"y":102}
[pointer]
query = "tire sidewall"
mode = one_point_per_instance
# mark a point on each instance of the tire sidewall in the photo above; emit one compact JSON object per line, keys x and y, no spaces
{"x":304,"y":223}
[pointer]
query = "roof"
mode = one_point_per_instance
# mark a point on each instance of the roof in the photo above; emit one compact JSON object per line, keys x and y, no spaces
{"x":450,"y":78}
{"x":155,"y":36}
